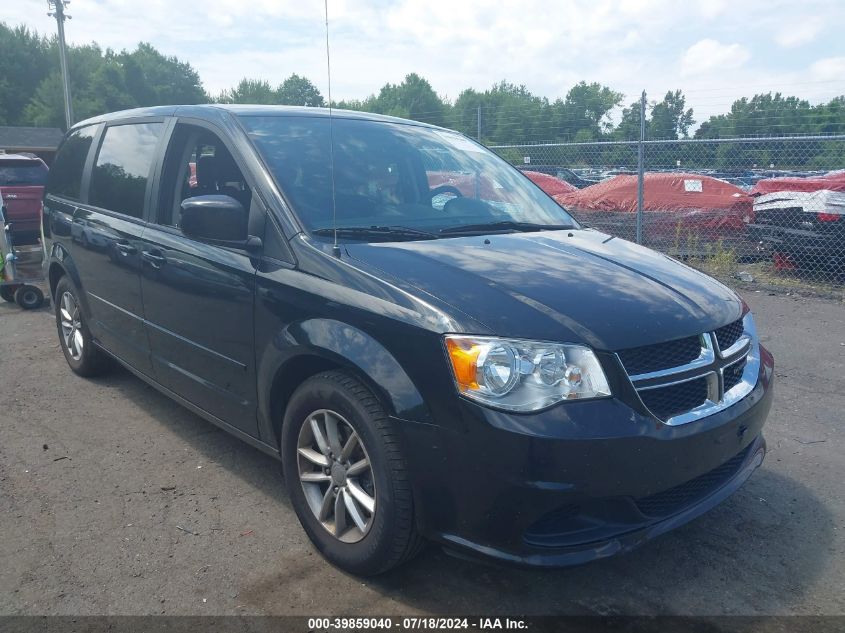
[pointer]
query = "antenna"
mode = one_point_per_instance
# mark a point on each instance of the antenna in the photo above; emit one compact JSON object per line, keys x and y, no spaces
{"x":335,"y":247}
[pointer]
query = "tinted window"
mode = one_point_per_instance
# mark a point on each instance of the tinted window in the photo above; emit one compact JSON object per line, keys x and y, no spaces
{"x":22,"y":173}
{"x":119,"y":179}
{"x":394,"y":174}
{"x":197,"y":163}
{"x":66,"y":175}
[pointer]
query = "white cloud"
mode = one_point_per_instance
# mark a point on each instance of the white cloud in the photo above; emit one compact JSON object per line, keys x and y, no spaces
{"x":802,"y":32}
{"x":829,"y":69}
{"x":709,"y":55}
{"x":548,"y":46}
{"x":710,"y":9}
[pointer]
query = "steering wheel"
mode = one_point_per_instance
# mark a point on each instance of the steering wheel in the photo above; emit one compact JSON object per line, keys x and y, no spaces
{"x":445,"y":189}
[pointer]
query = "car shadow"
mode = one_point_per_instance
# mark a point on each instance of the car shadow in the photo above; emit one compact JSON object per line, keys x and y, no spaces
{"x":754,"y":554}
{"x":256,"y":468}
{"x":757,"y":553}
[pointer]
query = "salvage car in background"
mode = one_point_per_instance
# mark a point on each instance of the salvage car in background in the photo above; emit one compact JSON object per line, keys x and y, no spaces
{"x":801,"y":222}
{"x":22,"y":180}
{"x":683,"y":212}
{"x":450,"y":184}
{"x":550,"y":184}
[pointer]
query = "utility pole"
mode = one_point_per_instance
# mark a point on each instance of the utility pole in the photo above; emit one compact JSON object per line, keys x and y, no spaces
{"x":57,"y":10}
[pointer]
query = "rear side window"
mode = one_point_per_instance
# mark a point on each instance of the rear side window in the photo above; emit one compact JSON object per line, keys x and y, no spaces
{"x":119,"y":179}
{"x":22,"y":173}
{"x":66,"y":174}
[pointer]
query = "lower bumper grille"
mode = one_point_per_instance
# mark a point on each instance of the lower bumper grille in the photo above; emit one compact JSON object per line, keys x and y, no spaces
{"x":676,"y":499}
{"x":594,"y":520}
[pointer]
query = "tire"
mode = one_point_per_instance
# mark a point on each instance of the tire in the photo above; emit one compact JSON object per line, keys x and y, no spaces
{"x":7,"y":293}
{"x":84,"y":358}
{"x":390,"y":537}
{"x":29,"y":297}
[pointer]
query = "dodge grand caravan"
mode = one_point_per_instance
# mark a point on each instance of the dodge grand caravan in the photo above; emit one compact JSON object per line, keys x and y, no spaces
{"x":467,"y":365}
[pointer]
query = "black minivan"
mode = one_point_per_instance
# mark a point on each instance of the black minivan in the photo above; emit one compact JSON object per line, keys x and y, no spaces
{"x":432,"y":346}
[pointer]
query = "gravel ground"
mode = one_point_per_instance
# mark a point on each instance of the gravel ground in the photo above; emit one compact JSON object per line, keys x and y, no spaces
{"x":115,"y":500}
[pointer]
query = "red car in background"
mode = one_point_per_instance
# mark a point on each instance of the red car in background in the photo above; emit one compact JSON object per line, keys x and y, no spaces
{"x":551,"y":185}
{"x":22,"y":180}
{"x":466,"y":184}
{"x":684,"y":210}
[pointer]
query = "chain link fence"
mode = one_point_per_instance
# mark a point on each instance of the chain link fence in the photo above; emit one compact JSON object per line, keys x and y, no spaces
{"x":770,"y":210}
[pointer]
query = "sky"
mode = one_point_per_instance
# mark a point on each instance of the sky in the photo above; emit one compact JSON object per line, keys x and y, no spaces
{"x":713,"y":50}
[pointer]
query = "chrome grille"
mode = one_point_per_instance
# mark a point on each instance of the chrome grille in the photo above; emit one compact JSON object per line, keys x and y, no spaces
{"x":733,"y":374}
{"x":729,"y":334}
{"x":719,"y":370}
{"x":672,"y":400}
{"x":649,"y":358}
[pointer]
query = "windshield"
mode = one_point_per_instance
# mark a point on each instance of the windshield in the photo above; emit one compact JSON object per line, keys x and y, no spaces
{"x":396,"y":175}
{"x":22,"y":173}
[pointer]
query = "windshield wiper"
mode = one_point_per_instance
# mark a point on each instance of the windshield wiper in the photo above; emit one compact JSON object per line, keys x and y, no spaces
{"x":377,"y":231}
{"x":505,"y":225}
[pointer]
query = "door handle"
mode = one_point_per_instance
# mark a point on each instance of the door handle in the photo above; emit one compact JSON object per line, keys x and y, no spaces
{"x":125,"y":248}
{"x":155,"y":260}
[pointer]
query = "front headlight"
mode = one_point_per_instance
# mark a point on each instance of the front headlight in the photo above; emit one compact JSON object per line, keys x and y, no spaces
{"x":521,"y":375}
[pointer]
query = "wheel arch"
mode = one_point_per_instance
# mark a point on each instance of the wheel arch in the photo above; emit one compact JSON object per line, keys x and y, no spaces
{"x":62,"y":265}
{"x":305,"y":349}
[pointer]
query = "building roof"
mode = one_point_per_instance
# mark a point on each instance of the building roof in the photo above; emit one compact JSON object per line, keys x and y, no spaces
{"x":30,"y":138}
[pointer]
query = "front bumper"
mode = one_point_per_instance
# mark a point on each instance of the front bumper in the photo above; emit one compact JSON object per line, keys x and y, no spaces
{"x":580,"y":481}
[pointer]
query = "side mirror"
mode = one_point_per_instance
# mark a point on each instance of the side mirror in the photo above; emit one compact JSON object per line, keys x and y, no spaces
{"x":217,"y":219}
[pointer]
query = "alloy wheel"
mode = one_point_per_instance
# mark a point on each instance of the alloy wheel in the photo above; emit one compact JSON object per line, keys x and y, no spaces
{"x":71,"y":321}
{"x":336,"y":475}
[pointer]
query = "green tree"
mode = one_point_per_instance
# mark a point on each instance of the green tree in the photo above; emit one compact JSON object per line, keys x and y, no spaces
{"x":764,"y":114}
{"x":24,"y":62}
{"x":414,"y":98}
{"x":250,"y":91}
{"x":585,"y":112}
{"x":516,"y":115}
{"x":669,"y":118}
{"x":510,"y":113}
{"x":154,"y":79}
{"x":299,"y":91}
{"x":464,"y":115}
{"x":46,"y":107}
{"x":628,"y":128}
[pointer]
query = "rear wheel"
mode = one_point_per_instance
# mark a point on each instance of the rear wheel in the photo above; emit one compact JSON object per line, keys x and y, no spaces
{"x":29,"y":297}
{"x":7,"y":293}
{"x":346,"y":476}
{"x":80,"y":352}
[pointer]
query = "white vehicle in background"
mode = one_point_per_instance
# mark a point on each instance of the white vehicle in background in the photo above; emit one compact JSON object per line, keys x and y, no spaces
{"x":802,"y":229}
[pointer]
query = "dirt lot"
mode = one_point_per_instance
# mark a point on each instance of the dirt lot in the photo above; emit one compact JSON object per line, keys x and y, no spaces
{"x":114,"y":500}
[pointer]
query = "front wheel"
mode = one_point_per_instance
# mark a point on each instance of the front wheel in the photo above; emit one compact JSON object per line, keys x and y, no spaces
{"x":346,"y":476}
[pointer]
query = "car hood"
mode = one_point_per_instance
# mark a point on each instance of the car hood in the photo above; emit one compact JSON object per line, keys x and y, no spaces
{"x":574,"y":286}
